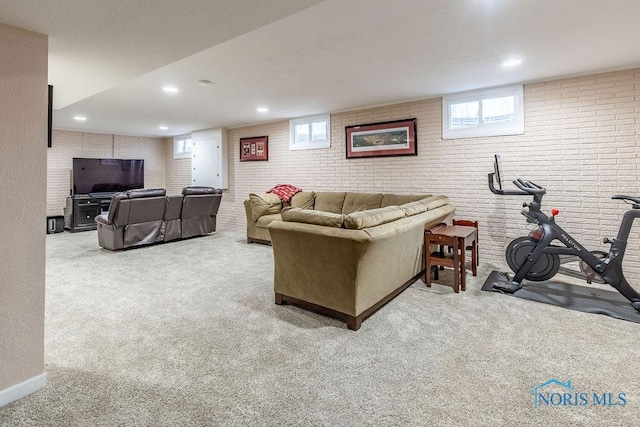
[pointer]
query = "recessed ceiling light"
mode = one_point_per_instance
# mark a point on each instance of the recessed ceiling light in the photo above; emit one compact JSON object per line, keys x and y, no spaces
{"x":262,"y":109}
{"x":80,"y":118}
{"x":162,"y":127}
{"x":205,"y":82}
{"x":170,"y":89}
{"x":512,"y":63}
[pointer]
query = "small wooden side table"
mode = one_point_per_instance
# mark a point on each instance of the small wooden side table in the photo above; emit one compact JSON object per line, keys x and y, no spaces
{"x":462,"y":236}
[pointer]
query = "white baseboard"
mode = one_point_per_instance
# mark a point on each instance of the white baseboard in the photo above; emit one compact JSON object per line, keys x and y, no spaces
{"x":18,"y":391}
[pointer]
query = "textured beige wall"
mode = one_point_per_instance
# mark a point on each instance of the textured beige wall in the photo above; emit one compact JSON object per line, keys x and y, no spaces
{"x":69,"y":144}
{"x":23,"y":166}
{"x":581,"y":142}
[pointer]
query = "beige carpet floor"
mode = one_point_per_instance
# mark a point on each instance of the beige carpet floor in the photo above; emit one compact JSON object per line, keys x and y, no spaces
{"x":187,"y":333}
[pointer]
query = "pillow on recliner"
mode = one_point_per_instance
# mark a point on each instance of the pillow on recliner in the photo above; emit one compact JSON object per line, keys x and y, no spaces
{"x":264,"y":204}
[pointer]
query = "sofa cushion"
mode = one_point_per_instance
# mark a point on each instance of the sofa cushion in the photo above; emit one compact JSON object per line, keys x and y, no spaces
{"x":354,"y":202}
{"x":308,"y":216}
{"x":329,"y":202}
{"x":265,"y":220}
{"x":304,"y":200}
{"x":264,"y":204}
{"x":372,"y":217}
{"x":424,"y":205}
{"x":401,"y":199}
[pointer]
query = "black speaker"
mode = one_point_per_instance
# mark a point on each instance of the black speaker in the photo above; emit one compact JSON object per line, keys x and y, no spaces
{"x":55,"y":224}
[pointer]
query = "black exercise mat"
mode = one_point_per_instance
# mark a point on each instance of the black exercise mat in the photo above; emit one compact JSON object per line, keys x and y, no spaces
{"x":573,"y":297}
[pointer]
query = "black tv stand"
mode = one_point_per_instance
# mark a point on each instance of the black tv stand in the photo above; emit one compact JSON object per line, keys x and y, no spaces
{"x":84,"y":208}
{"x":103,"y":194}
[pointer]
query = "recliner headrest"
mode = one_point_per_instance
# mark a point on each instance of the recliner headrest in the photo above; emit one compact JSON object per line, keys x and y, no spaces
{"x":115,"y":203}
{"x":192,"y":191}
{"x":146,"y":192}
{"x":118,"y":196}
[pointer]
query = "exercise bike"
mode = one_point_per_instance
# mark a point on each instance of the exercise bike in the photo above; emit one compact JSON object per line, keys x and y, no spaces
{"x":535,"y":258}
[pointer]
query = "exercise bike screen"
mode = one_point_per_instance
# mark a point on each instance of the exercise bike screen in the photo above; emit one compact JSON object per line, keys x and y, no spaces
{"x":496,"y":167}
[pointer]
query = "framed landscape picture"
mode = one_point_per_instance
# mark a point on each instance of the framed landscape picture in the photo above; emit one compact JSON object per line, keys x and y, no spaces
{"x":254,"y":148}
{"x":396,"y":138}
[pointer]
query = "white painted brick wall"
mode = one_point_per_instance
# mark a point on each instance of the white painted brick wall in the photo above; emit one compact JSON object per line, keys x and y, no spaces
{"x":580,"y":142}
{"x":177,"y":172}
{"x":69,"y":144}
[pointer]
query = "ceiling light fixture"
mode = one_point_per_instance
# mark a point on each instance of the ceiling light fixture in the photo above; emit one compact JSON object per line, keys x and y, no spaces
{"x":163,"y":127}
{"x":205,"y":82}
{"x":80,"y":118}
{"x":512,"y":63}
{"x":262,"y":109}
{"x":170,"y":89}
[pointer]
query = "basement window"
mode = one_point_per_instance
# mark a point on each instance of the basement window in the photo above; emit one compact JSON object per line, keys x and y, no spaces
{"x":182,"y":147}
{"x":308,"y":133}
{"x":489,"y":112}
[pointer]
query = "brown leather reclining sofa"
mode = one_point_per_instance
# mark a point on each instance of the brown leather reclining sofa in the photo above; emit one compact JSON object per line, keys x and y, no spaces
{"x":146,"y":216}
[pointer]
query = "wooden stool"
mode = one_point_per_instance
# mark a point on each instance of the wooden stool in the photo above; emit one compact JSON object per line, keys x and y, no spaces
{"x":438,"y":258}
{"x":473,"y":247}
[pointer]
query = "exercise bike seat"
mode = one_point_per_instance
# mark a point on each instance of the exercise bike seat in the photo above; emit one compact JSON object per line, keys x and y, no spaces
{"x":635,"y":200}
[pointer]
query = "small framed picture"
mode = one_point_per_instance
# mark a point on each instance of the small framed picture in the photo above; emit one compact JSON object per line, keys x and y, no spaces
{"x":254,"y":149}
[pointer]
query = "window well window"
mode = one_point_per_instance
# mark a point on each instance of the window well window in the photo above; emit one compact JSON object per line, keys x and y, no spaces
{"x":182,"y":147}
{"x":489,"y":112}
{"x":308,"y":133}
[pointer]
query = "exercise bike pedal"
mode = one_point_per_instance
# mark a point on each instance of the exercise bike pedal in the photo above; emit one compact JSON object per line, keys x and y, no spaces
{"x":507,"y":288}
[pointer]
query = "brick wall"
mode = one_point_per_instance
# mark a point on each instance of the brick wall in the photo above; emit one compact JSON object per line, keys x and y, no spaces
{"x":177,"y":171}
{"x":69,"y":144}
{"x":580,"y":142}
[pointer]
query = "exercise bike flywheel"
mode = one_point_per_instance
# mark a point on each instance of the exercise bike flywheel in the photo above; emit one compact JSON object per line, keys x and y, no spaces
{"x":590,"y":275}
{"x":517,"y":254}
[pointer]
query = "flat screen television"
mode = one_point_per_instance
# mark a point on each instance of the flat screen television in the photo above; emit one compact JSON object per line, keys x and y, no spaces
{"x":106,"y":176}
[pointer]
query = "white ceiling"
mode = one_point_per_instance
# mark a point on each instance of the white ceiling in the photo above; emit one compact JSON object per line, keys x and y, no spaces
{"x":109,"y":60}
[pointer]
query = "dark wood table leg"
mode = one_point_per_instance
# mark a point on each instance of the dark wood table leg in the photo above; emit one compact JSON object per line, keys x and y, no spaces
{"x":474,"y":257}
{"x":463,"y":265}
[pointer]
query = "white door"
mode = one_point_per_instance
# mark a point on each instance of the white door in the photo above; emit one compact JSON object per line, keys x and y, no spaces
{"x":205,"y":163}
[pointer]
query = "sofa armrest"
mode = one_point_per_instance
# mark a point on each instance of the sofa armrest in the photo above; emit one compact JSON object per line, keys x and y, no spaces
{"x":247,"y":210}
{"x":103,"y":218}
{"x":318,"y":264}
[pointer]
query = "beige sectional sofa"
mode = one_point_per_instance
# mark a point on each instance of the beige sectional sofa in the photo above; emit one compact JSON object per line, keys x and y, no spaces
{"x":345,"y":254}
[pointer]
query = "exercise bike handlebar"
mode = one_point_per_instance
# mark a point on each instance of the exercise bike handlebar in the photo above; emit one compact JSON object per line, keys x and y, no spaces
{"x":526,"y":188}
{"x":530,"y":187}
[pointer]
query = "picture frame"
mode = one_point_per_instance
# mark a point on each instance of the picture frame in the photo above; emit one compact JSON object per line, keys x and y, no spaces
{"x":393,"y":138}
{"x":254,"y":149}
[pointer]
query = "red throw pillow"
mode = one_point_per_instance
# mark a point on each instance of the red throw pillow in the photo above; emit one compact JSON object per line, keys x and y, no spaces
{"x":285,"y":191}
